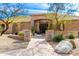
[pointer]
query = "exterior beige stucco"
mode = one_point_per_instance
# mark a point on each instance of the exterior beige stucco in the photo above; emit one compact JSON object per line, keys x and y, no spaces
{"x":26,"y":22}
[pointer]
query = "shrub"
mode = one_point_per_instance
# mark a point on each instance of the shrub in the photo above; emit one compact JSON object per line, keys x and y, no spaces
{"x":33,"y":30}
{"x":58,"y":38}
{"x":1,"y":28}
{"x":70,"y":36}
{"x":21,"y":34}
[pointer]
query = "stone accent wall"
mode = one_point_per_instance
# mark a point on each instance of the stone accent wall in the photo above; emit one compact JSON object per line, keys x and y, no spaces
{"x":49,"y":35}
{"x":27,"y":35}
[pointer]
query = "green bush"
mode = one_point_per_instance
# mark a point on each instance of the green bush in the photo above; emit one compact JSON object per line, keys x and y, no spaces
{"x":33,"y":30}
{"x":58,"y":38}
{"x":1,"y":28}
{"x":70,"y":36}
{"x":21,"y":34}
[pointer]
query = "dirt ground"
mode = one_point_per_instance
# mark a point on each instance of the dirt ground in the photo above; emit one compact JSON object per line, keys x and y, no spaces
{"x":10,"y":44}
{"x":7,"y":44}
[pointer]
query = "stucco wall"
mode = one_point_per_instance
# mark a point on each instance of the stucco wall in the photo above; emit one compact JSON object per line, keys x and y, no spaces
{"x":73,"y":25}
{"x":20,"y":27}
{"x":25,"y":25}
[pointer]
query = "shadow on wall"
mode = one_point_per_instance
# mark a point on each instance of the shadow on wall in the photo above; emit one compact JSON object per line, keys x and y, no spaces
{"x":15,"y":29}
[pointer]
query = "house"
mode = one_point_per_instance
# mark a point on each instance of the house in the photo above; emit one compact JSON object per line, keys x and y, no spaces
{"x":20,"y":23}
{"x":41,"y":22}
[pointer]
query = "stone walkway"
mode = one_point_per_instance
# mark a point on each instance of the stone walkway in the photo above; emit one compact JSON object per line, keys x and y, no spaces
{"x":36,"y":47}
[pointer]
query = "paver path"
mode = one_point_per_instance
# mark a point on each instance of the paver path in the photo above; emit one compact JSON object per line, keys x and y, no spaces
{"x":36,"y":47}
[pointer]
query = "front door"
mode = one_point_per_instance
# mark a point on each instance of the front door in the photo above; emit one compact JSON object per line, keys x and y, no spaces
{"x":43,"y":27}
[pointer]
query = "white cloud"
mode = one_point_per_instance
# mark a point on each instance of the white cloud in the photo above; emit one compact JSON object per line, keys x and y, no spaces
{"x":77,"y":13}
{"x":30,"y":11}
{"x":44,"y":5}
{"x":37,"y":11}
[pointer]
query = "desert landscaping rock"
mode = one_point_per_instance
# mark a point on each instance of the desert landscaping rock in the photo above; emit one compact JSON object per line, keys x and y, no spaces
{"x":76,"y":42}
{"x":64,"y":47}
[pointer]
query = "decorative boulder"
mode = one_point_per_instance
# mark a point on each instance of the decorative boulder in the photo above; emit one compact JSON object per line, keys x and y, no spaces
{"x":64,"y":47}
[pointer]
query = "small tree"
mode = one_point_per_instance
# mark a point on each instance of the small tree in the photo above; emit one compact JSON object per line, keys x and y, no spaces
{"x":60,"y":11}
{"x":56,"y":7}
{"x":8,"y":12}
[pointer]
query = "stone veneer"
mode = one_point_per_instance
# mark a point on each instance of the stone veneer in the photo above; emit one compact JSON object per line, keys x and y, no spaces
{"x":27,"y":35}
{"x":49,"y":34}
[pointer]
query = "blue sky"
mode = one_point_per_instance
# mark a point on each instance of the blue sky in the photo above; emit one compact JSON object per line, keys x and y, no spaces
{"x":34,"y":8}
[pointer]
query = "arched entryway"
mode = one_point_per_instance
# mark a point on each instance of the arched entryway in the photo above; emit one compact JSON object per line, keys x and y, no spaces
{"x":43,"y":26}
